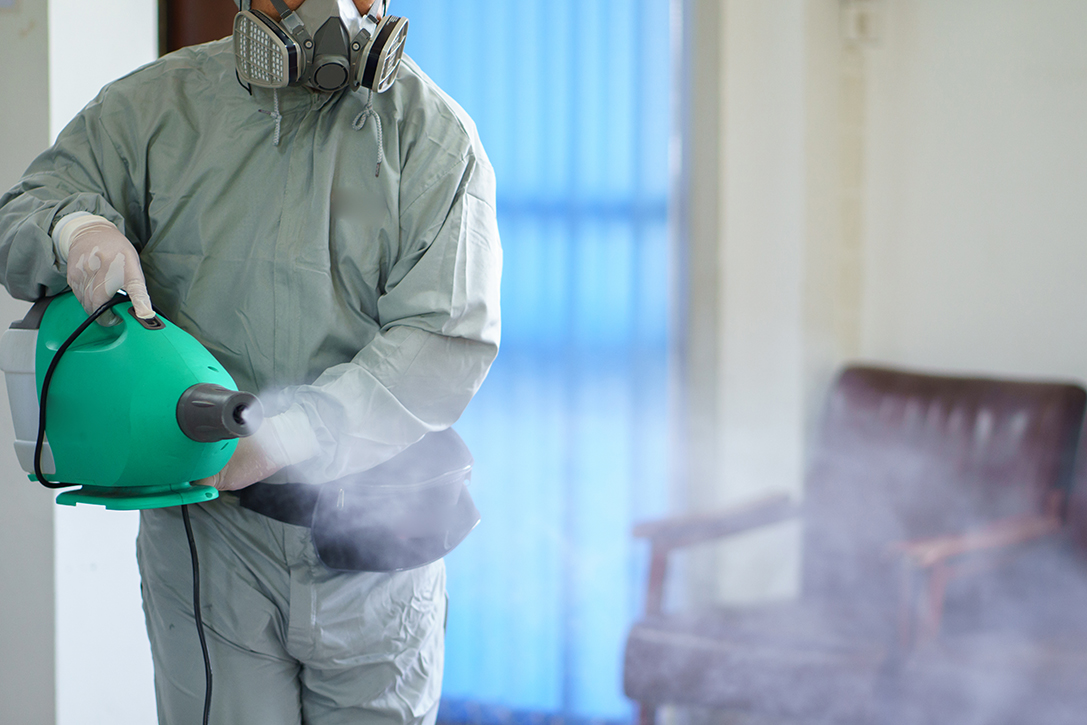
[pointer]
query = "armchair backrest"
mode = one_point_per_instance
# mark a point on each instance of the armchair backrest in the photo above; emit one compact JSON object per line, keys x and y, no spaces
{"x":902,"y":456}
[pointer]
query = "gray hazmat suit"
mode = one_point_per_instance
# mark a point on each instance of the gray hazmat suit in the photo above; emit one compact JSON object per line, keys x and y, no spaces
{"x":363,"y":306}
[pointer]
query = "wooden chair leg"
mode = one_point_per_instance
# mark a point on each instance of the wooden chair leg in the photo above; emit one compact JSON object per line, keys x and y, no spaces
{"x":647,"y":714}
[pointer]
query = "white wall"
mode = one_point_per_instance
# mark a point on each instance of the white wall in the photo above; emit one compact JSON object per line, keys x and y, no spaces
{"x":26,"y":515}
{"x":91,"y":44}
{"x":976,"y":234}
{"x":777,"y":330}
{"x":71,"y":629}
{"x":761,"y":264}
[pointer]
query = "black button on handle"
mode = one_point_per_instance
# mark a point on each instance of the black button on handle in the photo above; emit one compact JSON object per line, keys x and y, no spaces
{"x":152,"y":323}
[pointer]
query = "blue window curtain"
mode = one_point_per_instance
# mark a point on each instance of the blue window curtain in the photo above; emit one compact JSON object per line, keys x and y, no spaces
{"x":570,"y":430}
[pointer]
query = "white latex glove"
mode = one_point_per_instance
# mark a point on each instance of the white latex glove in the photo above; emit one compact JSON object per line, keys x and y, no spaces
{"x":282,"y":440}
{"x":249,"y":464}
{"x":101,"y":261}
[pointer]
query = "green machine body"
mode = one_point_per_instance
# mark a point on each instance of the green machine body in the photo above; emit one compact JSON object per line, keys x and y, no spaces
{"x":135,"y":412}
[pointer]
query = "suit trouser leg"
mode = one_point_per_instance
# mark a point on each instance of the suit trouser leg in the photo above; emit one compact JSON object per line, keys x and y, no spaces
{"x":289,"y":640}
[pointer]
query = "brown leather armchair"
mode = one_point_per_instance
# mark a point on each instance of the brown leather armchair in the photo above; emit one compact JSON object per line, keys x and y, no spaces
{"x":916,"y":482}
{"x":1012,"y":645}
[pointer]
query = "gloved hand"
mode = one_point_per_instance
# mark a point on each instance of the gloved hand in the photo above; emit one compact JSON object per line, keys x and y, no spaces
{"x":100,"y":262}
{"x":282,"y":440}
{"x":250,"y":463}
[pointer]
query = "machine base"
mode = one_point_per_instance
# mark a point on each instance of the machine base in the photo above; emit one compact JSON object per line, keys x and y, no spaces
{"x":144,"y":497}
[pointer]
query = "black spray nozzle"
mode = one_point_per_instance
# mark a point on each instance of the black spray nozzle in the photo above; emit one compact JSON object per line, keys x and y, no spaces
{"x":207,"y":413}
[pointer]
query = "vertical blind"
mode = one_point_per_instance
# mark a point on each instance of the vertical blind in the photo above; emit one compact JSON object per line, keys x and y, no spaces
{"x":569,"y":432}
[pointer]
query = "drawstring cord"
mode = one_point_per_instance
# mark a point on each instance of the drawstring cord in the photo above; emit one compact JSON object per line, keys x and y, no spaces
{"x":357,"y":124}
{"x":275,"y":114}
{"x":360,"y":121}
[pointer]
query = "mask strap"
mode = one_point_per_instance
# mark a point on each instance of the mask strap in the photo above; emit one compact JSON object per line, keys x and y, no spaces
{"x":292,"y":22}
{"x":282,"y":9}
{"x":246,"y":86}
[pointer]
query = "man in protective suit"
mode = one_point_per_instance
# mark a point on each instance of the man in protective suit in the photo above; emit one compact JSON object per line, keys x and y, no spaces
{"x":337,"y":251}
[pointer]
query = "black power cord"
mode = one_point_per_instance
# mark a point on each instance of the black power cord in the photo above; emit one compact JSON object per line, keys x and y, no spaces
{"x":39,"y":444}
{"x":117,"y":299}
{"x":196,"y":610}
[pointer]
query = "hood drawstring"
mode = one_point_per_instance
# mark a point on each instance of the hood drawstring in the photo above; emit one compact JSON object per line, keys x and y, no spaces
{"x":275,"y":114}
{"x":360,"y":121}
{"x":357,"y":124}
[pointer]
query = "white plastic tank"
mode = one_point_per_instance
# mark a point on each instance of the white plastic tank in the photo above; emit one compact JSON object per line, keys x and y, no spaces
{"x":17,"y":351}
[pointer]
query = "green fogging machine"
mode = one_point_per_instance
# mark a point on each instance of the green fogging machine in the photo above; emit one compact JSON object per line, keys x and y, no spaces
{"x":133,"y":413}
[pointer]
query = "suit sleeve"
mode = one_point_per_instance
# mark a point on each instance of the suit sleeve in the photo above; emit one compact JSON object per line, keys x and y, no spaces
{"x":440,"y":330}
{"x":83,"y":171}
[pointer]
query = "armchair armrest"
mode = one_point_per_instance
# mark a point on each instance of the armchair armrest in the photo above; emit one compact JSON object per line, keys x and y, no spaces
{"x":935,"y":556}
{"x":999,"y":534}
{"x":681,"y":531}
{"x":666,"y":535}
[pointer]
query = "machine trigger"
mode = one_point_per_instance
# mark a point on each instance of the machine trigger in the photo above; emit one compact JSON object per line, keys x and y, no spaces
{"x":152,"y":323}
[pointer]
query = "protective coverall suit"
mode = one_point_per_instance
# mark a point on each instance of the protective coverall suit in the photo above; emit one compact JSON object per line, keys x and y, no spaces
{"x":359,"y":300}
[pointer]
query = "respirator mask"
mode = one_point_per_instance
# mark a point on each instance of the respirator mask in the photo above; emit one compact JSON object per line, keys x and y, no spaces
{"x":325,"y":45}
